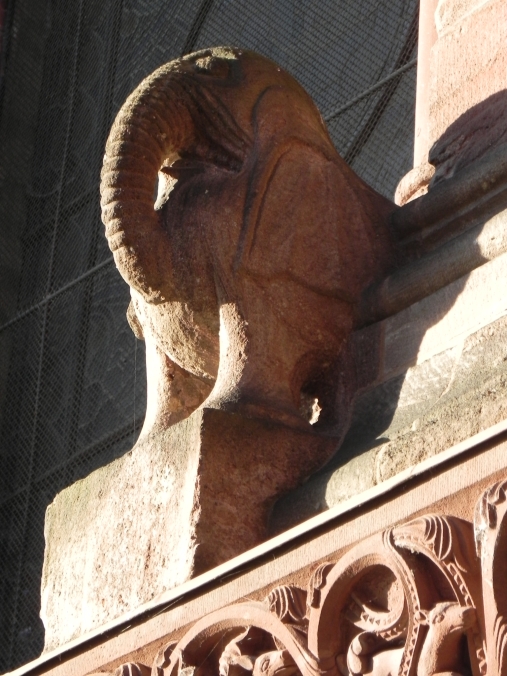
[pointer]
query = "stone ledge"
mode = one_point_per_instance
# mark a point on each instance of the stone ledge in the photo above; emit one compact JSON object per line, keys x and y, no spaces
{"x":450,"y":482}
{"x":439,"y":360}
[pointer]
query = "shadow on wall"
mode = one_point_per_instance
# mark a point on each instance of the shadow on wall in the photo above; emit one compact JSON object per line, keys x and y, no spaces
{"x":393,"y":391}
{"x":378,"y":407}
{"x":469,"y":137}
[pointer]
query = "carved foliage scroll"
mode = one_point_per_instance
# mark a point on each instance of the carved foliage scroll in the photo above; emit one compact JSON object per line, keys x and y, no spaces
{"x":427,"y":598}
{"x":490,"y":525}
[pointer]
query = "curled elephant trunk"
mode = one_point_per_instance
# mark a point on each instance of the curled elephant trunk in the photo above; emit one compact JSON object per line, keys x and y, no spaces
{"x":170,"y":115}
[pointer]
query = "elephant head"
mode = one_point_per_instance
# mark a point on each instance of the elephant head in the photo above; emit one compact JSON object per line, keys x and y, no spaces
{"x":246,"y":268}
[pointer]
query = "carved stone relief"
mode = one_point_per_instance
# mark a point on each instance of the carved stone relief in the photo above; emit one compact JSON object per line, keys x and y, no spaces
{"x":246,"y":273}
{"x":424,"y":598}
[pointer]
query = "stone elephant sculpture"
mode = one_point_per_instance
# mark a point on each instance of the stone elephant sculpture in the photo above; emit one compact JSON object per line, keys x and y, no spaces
{"x":247,"y":268}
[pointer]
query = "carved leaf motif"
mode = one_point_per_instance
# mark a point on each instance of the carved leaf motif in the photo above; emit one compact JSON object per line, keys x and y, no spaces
{"x":490,"y":528}
{"x":413,"y":587}
{"x":316,"y":583}
{"x":500,"y":634}
{"x":162,"y":659}
{"x":288,"y":603}
{"x":427,"y":532}
{"x":361,"y":650}
{"x":486,"y":512}
{"x":448,"y":543}
{"x":191,"y":671}
{"x":232,"y":661}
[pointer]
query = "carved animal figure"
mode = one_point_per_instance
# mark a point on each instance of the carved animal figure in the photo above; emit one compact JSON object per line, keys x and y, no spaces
{"x":440,"y":654}
{"x":246,"y":272}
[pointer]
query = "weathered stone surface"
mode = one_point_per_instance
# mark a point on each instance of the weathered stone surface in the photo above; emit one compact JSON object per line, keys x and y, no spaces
{"x":470,"y":137}
{"x":476,"y":191}
{"x":438,"y":268}
{"x":181,"y":502}
{"x":415,"y":183}
{"x":450,"y":13}
{"x":112,"y":541}
{"x":474,"y":399}
{"x":442,"y":379}
{"x":443,"y":319}
{"x":262,"y":239}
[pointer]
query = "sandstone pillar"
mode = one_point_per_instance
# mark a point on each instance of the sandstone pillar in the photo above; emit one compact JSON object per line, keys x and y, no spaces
{"x":426,"y":40}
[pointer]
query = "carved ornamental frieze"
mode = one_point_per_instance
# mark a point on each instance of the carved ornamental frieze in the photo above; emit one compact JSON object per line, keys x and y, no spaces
{"x":423,"y":598}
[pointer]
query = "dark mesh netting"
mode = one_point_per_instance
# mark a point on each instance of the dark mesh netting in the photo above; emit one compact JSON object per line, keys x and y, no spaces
{"x":72,"y":382}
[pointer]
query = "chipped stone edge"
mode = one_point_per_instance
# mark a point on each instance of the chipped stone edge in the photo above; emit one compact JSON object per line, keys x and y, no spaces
{"x":178,"y":594}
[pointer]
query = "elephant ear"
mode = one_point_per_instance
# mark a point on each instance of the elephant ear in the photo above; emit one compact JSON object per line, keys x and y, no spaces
{"x":307,"y":223}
